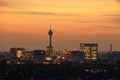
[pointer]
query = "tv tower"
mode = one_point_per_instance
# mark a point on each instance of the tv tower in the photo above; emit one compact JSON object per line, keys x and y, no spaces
{"x":50,"y":47}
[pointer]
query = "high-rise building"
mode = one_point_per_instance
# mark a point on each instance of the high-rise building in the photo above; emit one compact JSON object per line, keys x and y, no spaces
{"x":17,"y":52}
{"x":39,"y":56}
{"x":77,"y":56}
{"x":50,"y":47}
{"x":90,"y":50}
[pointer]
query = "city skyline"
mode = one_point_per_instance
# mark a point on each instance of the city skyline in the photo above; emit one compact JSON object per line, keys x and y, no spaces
{"x":26,"y":23}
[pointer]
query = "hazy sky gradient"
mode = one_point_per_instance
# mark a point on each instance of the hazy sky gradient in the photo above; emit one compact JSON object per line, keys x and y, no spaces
{"x":25,"y":23}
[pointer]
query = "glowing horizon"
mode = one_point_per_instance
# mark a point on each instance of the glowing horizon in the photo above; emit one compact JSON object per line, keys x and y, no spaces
{"x":26,"y":23}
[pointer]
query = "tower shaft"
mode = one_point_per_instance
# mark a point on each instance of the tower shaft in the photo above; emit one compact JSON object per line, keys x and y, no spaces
{"x":50,"y":41}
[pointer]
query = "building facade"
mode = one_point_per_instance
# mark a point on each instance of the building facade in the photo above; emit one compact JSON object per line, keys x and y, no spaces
{"x":39,"y":56}
{"x":17,"y":52}
{"x":77,"y":56}
{"x":90,"y":50}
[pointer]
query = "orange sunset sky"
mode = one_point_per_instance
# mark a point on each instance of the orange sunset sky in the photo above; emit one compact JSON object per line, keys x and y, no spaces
{"x":25,"y":23}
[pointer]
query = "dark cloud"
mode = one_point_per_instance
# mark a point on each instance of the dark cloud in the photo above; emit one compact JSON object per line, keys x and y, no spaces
{"x":20,"y":12}
{"x":8,"y":4}
{"x":110,"y":28}
{"x":117,"y":20}
{"x":39,"y":13}
{"x":4,"y":3}
{"x":112,"y":15}
{"x":118,"y":1}
{"x":84,"y":21}
{"x":113,"y":20}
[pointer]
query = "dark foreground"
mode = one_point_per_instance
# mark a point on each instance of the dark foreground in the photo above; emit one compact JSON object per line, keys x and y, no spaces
{"x":64,"y":71}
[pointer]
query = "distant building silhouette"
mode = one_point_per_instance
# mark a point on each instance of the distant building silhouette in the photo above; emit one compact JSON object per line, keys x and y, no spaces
{"x":77,"y":56}
{"x":114,"y":57}
{"x":39,"y":56}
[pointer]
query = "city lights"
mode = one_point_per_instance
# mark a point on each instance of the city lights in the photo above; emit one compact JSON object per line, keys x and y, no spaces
{"x":19,"y":53}
{"x":48,"y":58}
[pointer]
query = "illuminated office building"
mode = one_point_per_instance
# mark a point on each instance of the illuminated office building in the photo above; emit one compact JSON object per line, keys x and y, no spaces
{"x":17,"y":52}
{"x":90,"y":50}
